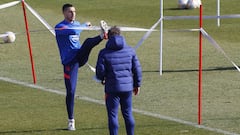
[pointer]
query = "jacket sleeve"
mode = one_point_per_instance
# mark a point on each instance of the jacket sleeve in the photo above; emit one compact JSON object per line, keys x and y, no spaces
{"x":137,"y":71}
{"x":100,"y":67}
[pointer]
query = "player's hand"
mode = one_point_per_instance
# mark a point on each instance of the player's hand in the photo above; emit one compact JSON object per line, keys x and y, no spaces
{"x":88,"y":24}
{"x":136,"y":90}
{"x":103,"y":82}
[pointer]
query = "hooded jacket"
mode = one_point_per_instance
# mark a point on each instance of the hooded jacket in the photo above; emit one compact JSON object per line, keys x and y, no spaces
{"x":118,"y":66}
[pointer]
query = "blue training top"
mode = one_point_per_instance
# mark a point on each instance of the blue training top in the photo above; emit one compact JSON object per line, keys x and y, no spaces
{"x":68,"y":39}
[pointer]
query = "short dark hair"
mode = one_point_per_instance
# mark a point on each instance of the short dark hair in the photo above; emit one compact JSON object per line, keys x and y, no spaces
{"x":65,"y":6}
{"x":114,"y":31}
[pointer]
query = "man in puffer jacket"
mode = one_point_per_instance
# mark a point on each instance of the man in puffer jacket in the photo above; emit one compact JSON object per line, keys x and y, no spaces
{"x":120,"y":71}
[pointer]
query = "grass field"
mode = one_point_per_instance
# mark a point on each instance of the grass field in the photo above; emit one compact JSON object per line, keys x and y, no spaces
{"x":32,"y":111}
{"x":173,"y":94}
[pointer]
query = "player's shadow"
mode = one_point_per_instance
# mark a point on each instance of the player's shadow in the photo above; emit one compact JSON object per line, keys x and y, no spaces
{"x":30,"y":131}
{"x":25,"y":131}
{"x":173,"y":9}
{"x":41,"y":131}
{"x":3,"y":43}
{"x":177,"y":9}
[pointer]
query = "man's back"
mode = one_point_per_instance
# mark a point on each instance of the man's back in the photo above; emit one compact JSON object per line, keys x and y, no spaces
{"x":118,"y":63}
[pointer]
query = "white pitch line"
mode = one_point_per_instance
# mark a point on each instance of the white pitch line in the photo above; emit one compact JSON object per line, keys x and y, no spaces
{"x":183,"y":122}
{"x":135,"y":110}
{"x":204,"y":17}
{"x":10,"y":4}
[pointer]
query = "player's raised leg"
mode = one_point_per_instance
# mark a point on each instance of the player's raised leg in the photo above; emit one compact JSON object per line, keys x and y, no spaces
{"x":90,"y":43}
{"x":104,"y":28}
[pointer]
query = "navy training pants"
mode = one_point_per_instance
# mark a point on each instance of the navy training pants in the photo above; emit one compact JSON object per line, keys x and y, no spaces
{"x":112,"y":103}
{"x":71,"y":71}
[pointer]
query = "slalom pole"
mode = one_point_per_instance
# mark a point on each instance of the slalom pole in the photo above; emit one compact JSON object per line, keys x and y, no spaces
{"x":161,"y":38}
{"x":29,"y":42}
{"x":218,"y":13}
{"x":200,"y":70}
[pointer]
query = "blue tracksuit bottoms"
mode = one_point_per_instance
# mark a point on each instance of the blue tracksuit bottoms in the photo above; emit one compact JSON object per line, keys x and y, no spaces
{"x":71,"y":71}
{"x":112,"y":104}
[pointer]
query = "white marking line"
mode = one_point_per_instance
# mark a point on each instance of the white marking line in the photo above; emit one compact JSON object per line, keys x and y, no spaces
{"x":204,"y":17}
{"x":135,"y":110}
{"x":10,"y":4}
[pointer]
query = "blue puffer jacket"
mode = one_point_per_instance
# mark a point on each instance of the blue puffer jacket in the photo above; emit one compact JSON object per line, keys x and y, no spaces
{"x":119,"y":66}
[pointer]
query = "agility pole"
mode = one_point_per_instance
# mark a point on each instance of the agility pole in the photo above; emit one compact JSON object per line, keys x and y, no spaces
{"x":161,"y":38}
{"x":218,"y":13}
{"x":29,"y":43}
{"x":200,"y":69}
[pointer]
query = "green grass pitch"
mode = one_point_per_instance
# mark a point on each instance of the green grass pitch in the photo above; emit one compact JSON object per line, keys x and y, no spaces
{"x":175,"y":94}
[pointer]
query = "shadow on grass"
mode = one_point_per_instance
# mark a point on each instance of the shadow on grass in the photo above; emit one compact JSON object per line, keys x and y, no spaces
{"x":177,"y":9}
{"x":30,"y":131}
{"x":195,"y":70}
{"x":3,"y":43}
{"x":93,"y":128}
{"x":49,"y":130}
{"x":173,"y":9}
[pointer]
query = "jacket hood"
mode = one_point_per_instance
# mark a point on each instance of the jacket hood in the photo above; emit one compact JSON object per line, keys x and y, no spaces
{"x":116,"y":43}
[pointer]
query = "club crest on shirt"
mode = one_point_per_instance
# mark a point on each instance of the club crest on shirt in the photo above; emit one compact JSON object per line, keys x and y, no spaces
{"x":74,"y":39}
